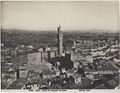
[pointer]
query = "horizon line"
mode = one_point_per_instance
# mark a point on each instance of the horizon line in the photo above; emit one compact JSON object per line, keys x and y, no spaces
{"x":80,"y":30}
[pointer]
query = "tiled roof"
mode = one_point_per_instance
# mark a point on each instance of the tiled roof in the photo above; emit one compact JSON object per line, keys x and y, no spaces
{"x":112,"y":83}
{"x":70,"y":71}
{"x":90,"y":70}
{"x":49,"y":72}
{"x":116,"y":79}
{"x":84,"y":84}
{"x":77,"y":75}
{"x":101,"y":86}
{"x":17,"y":84}
{"x":107,"y":66}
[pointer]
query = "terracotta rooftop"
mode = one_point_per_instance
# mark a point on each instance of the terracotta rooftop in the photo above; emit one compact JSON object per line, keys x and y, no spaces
{"x":49,"y":72}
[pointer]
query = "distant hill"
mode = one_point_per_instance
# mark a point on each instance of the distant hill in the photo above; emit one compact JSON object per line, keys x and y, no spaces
{"x":12,"y":38}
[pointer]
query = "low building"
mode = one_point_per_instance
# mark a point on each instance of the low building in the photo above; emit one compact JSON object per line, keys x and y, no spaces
{"x":84,"y":84}
{"x":89,"y":57}
{"x":90,"y":73}
{"x":22,"y":72}
{"x":63,"y":75}
{"x":53,"y":54}
{"x":77,"y":77}
{"x":30,"y":46}
{"x":8,"y":78}
{"x":76,"y":63}
{"x":57,"y":72}
{"x":63,"y":70}
{"x":34,"y":79}
{"x":70,"y":72}
{"x":75,"y":56}
{"x":49,"y":74}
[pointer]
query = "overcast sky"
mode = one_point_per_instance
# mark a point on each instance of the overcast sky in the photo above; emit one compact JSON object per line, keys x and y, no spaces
{"x":71,"y":15}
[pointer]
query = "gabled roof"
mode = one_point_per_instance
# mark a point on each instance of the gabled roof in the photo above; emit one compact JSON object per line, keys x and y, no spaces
{"x":112,"y":83}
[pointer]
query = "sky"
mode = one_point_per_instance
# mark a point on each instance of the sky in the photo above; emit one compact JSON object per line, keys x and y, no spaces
{"x":81,"y":15}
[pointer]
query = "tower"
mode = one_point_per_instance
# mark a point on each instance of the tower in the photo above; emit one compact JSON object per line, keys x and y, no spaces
{"x":60,"y":41}
{"x":74,"y":43}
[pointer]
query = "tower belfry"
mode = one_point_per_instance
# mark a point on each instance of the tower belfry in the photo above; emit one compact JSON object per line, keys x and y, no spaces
{"x":60,"y":41}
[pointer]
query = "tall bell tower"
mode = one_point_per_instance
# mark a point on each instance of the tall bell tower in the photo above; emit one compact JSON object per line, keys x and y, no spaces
{"x":60,"y":41}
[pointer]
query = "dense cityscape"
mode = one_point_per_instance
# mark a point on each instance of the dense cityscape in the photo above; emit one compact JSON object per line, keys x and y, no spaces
{"x":78,"y":64}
